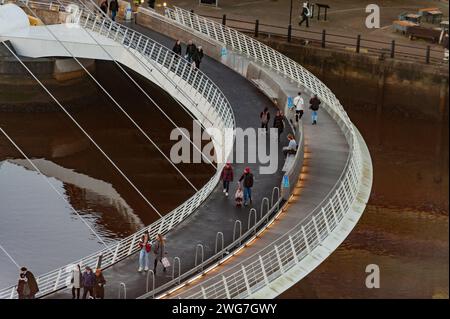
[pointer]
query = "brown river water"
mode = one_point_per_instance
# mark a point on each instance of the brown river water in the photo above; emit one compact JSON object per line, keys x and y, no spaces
{"x":404,"y":229}
{"x":38,"y":228}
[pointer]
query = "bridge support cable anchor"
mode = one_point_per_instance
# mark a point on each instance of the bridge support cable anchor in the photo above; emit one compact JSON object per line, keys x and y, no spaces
{"x":114,"y":101}
{"x":40,"y":173}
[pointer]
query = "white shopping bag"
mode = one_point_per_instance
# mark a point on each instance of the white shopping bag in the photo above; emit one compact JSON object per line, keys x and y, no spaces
{"x":165,"y":262}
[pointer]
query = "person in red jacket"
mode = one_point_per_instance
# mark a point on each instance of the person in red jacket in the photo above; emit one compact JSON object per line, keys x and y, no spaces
{"x":227,"y":177}
{"x":146,"y":248}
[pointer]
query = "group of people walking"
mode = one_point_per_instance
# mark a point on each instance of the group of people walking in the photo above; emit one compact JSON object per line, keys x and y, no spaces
{"x":193,"y":53}
{"x":299,"y":104}
{"x":243,"y":194}
{"x":146,"y":247}
{"x":113,"y":7}
{"x":27,"y":287}
{"x":92,"y":283}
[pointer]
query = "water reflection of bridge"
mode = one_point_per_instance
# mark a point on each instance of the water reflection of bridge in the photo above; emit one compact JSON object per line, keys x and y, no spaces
{"x":326,"y":197}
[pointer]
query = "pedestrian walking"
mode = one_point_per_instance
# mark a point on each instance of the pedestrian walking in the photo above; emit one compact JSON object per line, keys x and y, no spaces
{"x":113,"y":7}
{"x":227,"y":176}
{"x":239,"y":195}
{"x":75,"y":281}
{"x":198,"y":56}
{"x":104,"y":6}
{"x":278,"y":123}
{"x":23,"y":289}
{"x":247,"y":181}
{"x":144,"y":252}
{"x":305,"y":14}
{"x":314,"y":104}
{"x":99,"y":288}
{"x":32,"y":283}
{"x":159,"y":249}
{"x":191,"y":49}
{"x":151,"y":4}
{"x":292,"y":146}
{"x":177,"y":47}
{"x":88,"y":282}
{"x":299,"y":104}
{"x":264,"y":116}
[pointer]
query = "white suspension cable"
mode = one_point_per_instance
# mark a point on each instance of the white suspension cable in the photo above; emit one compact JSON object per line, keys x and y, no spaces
{"x":9,"y":256}
{"x":113,"y":100}
{"x":54,"y":188}
{"x":81,"y":128}
{"x":140,"y":87}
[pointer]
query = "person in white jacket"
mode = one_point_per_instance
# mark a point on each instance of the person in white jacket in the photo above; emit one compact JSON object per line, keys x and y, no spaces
{"x":299,"y":104}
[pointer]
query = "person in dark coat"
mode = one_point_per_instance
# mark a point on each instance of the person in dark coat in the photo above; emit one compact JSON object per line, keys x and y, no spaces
{"x":99,"y":290}
{"x":198,"y":56}
{"x":159,"y":249}
{"x":151,"y":4}
{"x":247,"y":181}
{"x":32,"y":284}
{"x":264,"y":116}
{"x":104,"y":6}
{"x":227,"y":176}
{"x":23,"y":289}
{"x":278,"y":123}
{"x":88,"y":282}
{"x":177,"y":47}
{"x":314,"y":104}
{"x":191,"y":49}
{"x":113,"y":7}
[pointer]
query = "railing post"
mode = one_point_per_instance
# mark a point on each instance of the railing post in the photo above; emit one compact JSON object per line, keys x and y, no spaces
{"x":179,"y":268}
{"x":393,"y":49}
{"x":280,"y":264}
{"x":358,"y":43}
{"x":427,"y":57}
{"x":247,"y":285}
{"x":289,"y":35}
{"x":237,"y":222}
{"x":196,"y":254}
{"x":324,"y":32}
{"x":256,"y":28}
{"x":227,"y":291}
{"x":263,"y":270}
{"x":98,"y":264}
{"x":217,"y":240}
{"x":308,"y":249}
{"x":224,"y":19}
{"x":250,"y":217}
{"x":293,"y":249}
{"x":122,"y":285}
{"x":153,"y":282}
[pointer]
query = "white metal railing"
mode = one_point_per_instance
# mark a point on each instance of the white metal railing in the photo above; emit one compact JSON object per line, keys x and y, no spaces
{"x":201,"y":90}
{"x":250,"y":275}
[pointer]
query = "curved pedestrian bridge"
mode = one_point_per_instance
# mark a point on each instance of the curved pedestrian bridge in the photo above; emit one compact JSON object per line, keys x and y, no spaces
{"x":299,"y":216}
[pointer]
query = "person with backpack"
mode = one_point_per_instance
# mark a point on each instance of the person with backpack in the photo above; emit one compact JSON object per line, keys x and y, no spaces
{"x":145,"y":249}
{"x":76,"y":281}
{"x":227,"y":176}
{"x":23,"y":289}
{"x":264,"y":116}
{"x":113,"y":7}
{"x":88,"y":282}
{"x":314,"y":106}
{"x":247,"y":181}
{"x":299,"y":104}
{"x":278,"y":123}
{"x":32,"y":283}
{"x":305,"y":14}
{"x":160,"y":251}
